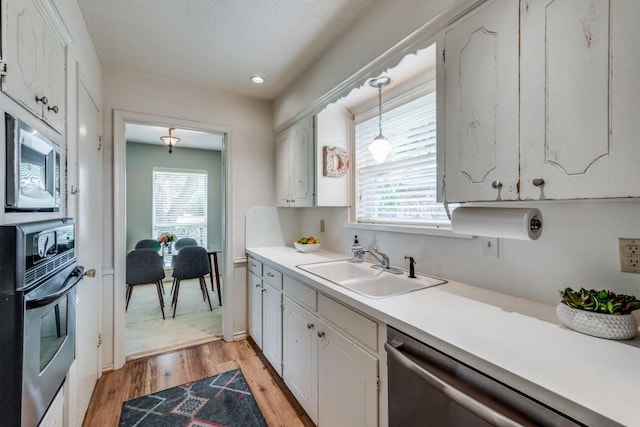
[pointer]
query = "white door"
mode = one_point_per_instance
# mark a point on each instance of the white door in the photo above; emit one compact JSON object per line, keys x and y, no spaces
{"x":347,"y":382}
{"x":481,"y":104}
{"x":272,"y":326}
{"x":88,"y":246}
{"x":300,"y":356}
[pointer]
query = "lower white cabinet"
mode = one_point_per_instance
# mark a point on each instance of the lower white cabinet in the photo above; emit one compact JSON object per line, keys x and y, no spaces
{"x":255,"y":308}
{"x":54,"y":417}
{"x":347,"y":381}
{"x":300,"y":353}
{"x":272,"y":325}
{"x":333,"y":378}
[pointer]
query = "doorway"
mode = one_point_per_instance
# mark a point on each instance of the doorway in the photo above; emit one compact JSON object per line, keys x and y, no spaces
{"x":176,"y":192}
{"x":127,"y":128}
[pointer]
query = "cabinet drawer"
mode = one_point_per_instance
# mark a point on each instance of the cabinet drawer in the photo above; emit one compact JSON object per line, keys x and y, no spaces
{"x":356,"y":325}
{"x":299,"y":292}
{"x":272,"y":276}
{"x":255,"y":267}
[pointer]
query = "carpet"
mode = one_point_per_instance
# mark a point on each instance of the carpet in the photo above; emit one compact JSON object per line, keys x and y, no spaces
{"x":223,"y":400}
{"x":147,"y":333}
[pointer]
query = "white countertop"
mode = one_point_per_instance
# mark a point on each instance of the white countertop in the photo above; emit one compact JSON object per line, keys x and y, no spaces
{"x":512,"y":339}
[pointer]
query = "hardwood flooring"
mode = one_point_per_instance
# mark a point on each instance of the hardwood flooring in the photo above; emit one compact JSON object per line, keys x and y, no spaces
{"x":143,"y":376}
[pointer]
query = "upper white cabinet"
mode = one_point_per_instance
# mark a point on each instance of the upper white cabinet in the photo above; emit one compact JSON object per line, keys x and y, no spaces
{"x":295,"y":165}
{"x":480,"y":63}
{"x":34,"y":56}
{"x":540,"y":102}
{"x":580,"y":99}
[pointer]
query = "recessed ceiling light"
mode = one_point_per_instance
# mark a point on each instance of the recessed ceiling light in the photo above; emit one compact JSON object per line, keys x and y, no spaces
{"x":257,"y":79}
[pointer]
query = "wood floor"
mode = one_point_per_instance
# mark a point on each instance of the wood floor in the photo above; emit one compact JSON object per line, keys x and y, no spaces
{"x":143,"y":376}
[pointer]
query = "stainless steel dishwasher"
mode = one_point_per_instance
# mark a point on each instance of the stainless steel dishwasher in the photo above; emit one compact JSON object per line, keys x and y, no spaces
{"x":429,"y":388}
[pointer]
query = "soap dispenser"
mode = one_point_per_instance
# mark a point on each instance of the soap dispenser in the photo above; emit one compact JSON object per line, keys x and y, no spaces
{"x":356,"y":251}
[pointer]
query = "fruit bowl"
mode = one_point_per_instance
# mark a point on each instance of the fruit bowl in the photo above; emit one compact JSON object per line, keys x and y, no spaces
{"x":307,"y":247}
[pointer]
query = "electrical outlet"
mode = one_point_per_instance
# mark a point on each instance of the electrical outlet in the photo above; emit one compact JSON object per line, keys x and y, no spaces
{"x":629,"y":255}
{"x":489,"y":246}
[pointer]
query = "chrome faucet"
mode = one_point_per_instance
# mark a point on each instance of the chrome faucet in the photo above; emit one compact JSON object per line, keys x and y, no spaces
{"x":381,"y":257}
{"x":384,"y":261}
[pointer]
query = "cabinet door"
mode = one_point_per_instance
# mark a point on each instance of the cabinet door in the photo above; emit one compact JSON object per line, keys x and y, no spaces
{"x":300,"y":356}
{"x":255,"y":308}
{"x":347,"y":377}
{"x":54,"y":80}
{"x":283,"y":156}
{"x":302,"y":171}
{"x":272,"y":326}
{"x":580,"y":98}
{"x":481,"y":104}
{"x":24,"y":40}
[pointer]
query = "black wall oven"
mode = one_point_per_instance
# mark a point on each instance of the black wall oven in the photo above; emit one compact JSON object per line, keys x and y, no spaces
{"x":37,"y":316}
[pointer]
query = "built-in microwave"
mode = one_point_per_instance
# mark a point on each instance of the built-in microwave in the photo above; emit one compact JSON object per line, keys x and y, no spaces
{"x":33,"y":169}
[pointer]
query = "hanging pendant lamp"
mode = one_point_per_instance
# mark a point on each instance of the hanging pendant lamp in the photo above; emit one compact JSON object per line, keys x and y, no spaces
{"x":380,"y":147}
{"x":171,"y":141}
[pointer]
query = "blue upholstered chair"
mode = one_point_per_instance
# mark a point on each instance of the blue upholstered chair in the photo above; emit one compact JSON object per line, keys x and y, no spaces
{"x":192,"y":262}
{"x":147,"y":244}
{"x":182,"y":243}
{"x":144,"y":266}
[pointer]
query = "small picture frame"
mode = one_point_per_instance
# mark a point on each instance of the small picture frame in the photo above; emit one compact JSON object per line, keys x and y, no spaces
{"x":335,"y":161}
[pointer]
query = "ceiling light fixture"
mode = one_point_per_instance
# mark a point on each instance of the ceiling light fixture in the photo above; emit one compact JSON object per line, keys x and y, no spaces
{"x":171,"y":141}
{"x":257,"y":79}
{"x":380,"y":147}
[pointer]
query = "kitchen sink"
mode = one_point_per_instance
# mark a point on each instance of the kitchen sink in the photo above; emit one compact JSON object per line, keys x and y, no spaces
{"x":364,"y":279}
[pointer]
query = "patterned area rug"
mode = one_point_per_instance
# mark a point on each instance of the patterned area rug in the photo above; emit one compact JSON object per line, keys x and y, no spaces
{"x":223,"y":400}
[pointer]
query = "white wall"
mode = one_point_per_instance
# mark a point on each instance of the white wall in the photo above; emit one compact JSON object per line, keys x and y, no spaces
{"x":578,"y":248}
{"x":250,"y":146}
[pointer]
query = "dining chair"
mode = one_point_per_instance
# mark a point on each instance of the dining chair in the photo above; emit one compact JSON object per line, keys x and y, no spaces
{"x":182,"y":243}
{"x":192,"y":262}
{"x":147,"y":244}
{"x":144,"y":266}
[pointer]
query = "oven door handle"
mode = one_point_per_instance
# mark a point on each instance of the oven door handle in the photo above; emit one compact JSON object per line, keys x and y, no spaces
{"x":74,"y":277}
{"x":483,"y":411}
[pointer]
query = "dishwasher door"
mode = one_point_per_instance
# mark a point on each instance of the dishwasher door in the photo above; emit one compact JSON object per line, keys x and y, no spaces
{"x":429,"y":388}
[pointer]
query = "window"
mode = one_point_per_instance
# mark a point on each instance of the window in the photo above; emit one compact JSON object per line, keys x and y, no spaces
{"x":401,"y":190}
{"x":180,"y":203}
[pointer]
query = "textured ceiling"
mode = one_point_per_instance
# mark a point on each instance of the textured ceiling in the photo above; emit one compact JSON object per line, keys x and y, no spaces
{"x":220,"y":43}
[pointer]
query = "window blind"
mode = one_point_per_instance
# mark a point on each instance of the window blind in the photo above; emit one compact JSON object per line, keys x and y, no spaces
{"x":180,"y":203}
{"x":402,"y":189}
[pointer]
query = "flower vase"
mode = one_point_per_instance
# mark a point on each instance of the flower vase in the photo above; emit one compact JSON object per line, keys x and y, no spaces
{"x":168,"y":247}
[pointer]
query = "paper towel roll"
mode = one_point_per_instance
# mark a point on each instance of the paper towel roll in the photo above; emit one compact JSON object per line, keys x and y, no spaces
{"x":505,"y":223}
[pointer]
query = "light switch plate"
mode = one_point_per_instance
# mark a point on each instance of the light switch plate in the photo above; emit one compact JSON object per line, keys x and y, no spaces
{"x":629,"y":255}
{"x":489,"y":246}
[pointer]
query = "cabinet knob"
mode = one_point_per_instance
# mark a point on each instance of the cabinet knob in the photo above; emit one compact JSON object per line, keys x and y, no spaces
{"x":496,"y":184}
{"x":54,"y":109}
{"x":320,"y":334}
{"x":538,"y":182}
{"x":264,"y":290}
{"x":309,"y":325}
{"x":42,"y":99}
{"x":257,"y":285}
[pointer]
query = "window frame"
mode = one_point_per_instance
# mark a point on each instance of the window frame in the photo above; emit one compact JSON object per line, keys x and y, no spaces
{"x":202,"y":172}
{"x":400,"y":95}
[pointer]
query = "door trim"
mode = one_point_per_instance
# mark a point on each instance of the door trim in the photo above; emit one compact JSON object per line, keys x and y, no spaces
{"x":120,"y":119}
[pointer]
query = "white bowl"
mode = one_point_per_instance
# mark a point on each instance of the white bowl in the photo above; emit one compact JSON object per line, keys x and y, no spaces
{"x":306,"y":247}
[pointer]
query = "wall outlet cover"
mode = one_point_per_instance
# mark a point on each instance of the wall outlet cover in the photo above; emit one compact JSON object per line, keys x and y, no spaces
{"x":489,"y":246}
{"x":629,"y":254}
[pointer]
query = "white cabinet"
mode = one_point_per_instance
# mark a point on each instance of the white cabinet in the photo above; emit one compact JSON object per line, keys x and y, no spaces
{"x":294,"y":165}
{"x":300,"y":355}
{"x":265,"y":310}
{"x":272,"y":325}
{"x":579,"y":99}
{"x":347,"y":381}
{"x":35,"y":62}
{"x":480,"y":63}
{"x":255,"y":308}
{"x":540,"y":101}
{"x":331,"y":375}
{"x":54,"y":417}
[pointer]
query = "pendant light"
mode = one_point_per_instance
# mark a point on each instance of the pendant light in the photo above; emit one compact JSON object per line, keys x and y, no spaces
{"x":171,"y":141}
{"x":380,"y":147}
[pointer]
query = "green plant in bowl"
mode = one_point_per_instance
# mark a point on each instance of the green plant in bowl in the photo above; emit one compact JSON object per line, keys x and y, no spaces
{"x":602,"y":301}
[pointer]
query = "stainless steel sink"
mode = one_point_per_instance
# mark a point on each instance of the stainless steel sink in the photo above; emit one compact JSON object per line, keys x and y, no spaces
{"x":364,"y":279}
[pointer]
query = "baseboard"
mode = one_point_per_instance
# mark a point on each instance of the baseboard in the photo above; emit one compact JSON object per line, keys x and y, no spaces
{"x":239,"y":336}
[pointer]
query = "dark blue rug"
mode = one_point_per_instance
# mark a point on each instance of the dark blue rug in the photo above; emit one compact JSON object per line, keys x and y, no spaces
{"x":220,"y":400}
